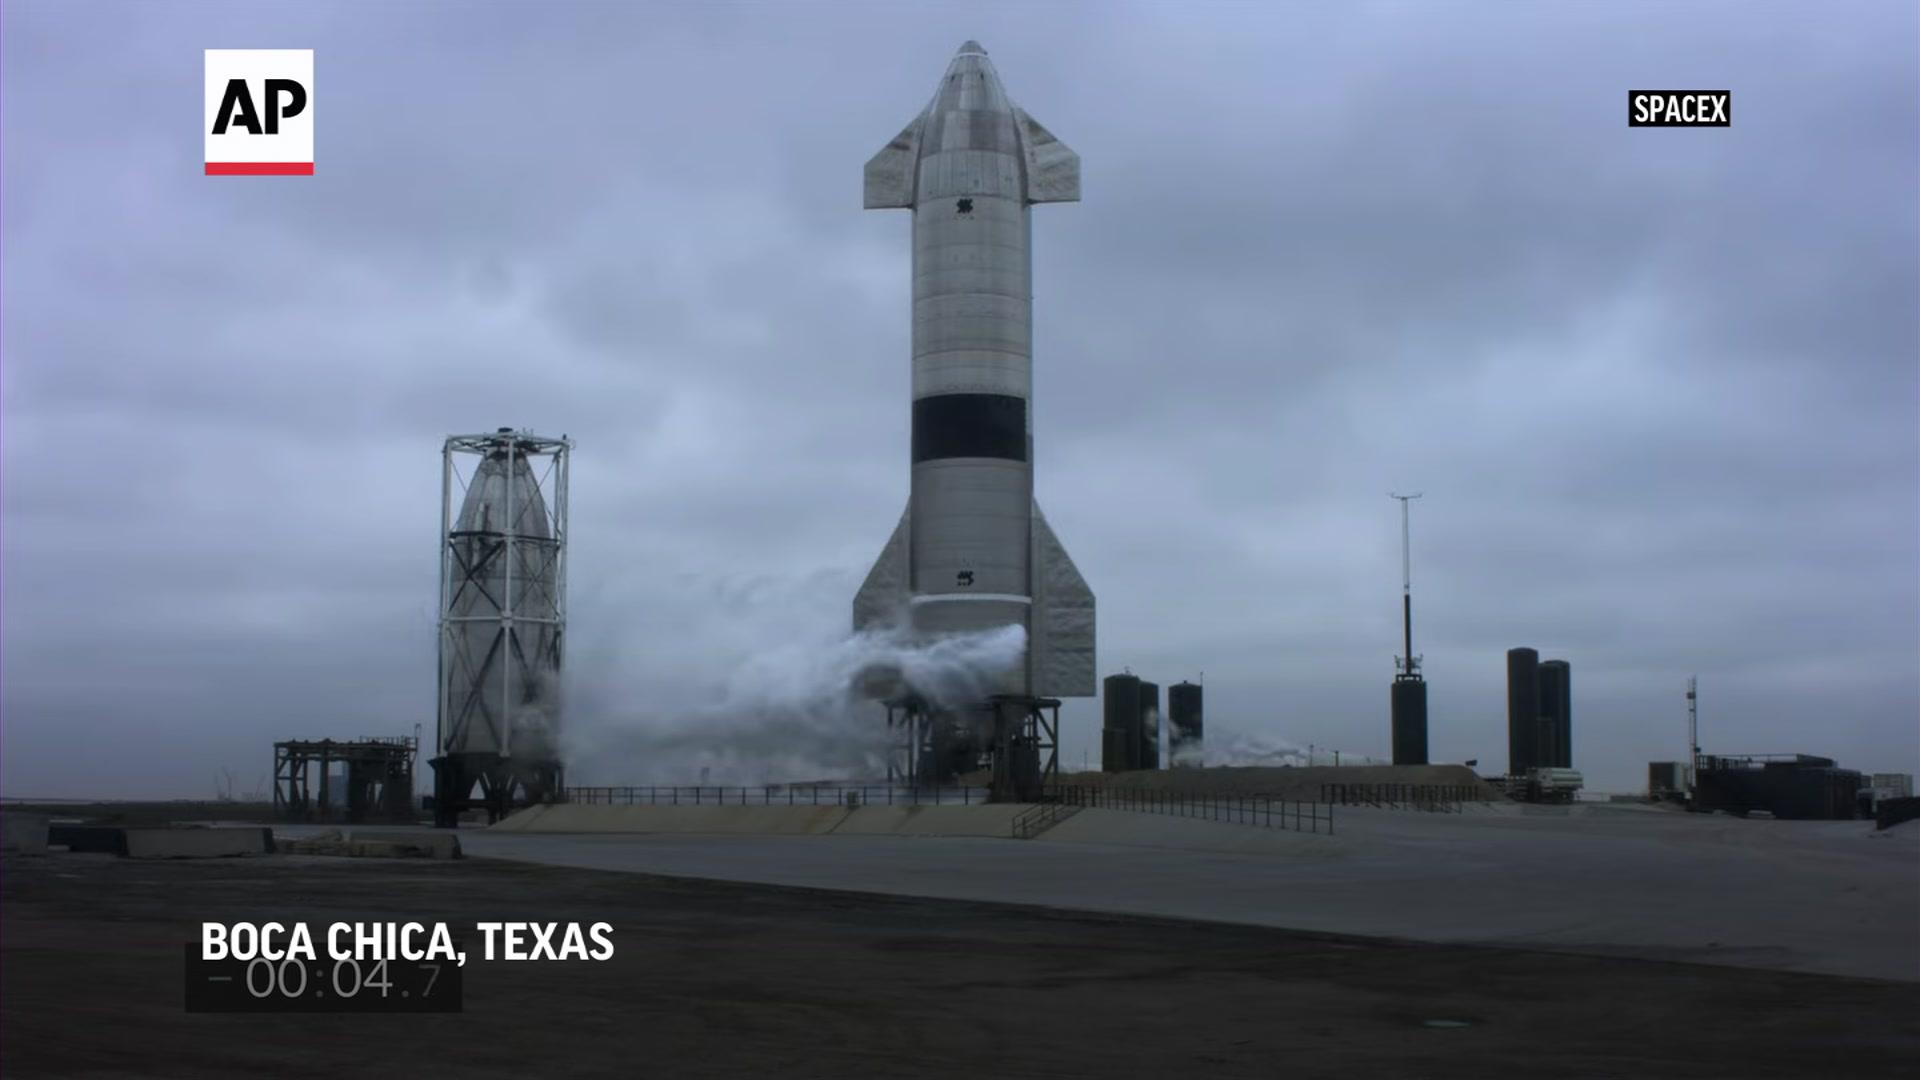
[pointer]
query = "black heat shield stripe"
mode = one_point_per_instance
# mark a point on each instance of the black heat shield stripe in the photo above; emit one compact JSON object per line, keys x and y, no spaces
{"x":969,"y":425}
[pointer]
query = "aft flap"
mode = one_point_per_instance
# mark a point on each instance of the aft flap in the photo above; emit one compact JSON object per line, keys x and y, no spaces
{"x":1062,"y":643}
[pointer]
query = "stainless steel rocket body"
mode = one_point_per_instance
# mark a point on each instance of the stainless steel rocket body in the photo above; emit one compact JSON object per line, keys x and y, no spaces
{"x":972,"y":362}
{"x":975,"y":553}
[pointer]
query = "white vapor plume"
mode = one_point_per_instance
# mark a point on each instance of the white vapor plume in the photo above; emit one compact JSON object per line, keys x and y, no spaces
{"x":1238,"y":748}
{"x":1241,"y":749}
{"x":786,"y":707}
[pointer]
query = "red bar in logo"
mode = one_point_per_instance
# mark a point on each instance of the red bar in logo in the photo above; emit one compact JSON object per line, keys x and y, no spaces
{"x":259,"y":168}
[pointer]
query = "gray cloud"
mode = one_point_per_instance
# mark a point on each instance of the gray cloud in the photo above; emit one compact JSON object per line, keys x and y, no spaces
{"x":1662,"y":387}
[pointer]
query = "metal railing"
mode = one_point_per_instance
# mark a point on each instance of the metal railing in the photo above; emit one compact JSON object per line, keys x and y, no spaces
{"x":1437,"y":798}
{"x":1032,"y":823}
{"x":1297,"y":815}
{"x":778,"y":795}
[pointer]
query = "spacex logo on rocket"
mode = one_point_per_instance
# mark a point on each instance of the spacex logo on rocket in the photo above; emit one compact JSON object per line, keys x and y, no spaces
{"x":259,"y":112}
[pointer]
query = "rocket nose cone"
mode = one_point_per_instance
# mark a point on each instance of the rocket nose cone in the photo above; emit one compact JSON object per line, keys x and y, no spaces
{"x":971,"y":86}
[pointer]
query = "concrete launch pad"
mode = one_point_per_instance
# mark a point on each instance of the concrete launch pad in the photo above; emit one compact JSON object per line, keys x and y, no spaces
{"x":1832,"y":897}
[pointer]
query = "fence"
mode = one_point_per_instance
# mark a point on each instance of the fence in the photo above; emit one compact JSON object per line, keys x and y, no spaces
{"x":1439,"y":798}
{"x":1300,"y":816}
{"x":779,"y":795}
{"x":1323,"y":756}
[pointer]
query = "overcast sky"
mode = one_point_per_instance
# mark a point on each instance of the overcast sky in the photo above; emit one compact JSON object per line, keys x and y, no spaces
{"x":1661,"y":388}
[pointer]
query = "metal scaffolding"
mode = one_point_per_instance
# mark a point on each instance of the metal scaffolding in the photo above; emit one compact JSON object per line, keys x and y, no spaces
{"x":1013,"y":735}
{"x":503,"y":617}
{"x":378,"y":785}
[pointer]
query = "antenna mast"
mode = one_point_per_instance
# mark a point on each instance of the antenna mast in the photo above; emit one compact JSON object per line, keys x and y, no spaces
{"x":1693,"y":718}
{"x":1408,"y":664}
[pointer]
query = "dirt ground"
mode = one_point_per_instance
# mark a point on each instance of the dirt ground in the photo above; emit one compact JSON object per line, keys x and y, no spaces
{"x":154,"y":813}
{"x":716,"y":979}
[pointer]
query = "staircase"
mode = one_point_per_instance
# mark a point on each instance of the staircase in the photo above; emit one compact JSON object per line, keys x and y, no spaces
{"x":1033,"y":822}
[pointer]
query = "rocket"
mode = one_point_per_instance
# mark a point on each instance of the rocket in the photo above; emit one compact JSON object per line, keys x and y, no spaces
{"x":972,"y":551}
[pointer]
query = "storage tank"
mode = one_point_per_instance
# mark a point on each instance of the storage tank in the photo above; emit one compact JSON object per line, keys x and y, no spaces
{"x":1186,"y":726}
{"x":1114,"y":744}
{"x":1523,"y":711}
{"x":1409,"y":721}
{"x":1121,"y":706}
{"x":1556,"y":714}
{"x":1149,"y":725}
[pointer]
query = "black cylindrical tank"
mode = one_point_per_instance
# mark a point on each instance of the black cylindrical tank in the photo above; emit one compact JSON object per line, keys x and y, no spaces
{"x":1185,"y":725}
{"x":1149,"y":725}
{"x":1120,"y":700}
{"x":1409,"y":722}
{"x":1523,"y":710}
{"x":1556,"y":713}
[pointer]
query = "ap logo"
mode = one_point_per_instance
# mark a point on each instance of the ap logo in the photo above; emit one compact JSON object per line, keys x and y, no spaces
{"x":259,"y":112}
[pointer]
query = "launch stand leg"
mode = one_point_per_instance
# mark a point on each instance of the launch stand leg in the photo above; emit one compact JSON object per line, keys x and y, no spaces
{"x":1026,"y":743}
{"x":452,"y":788}
{"x":505,"y":786}
{"x":1017,"y":736}
{"x":900,"y":742}
{"x":910,"y":750}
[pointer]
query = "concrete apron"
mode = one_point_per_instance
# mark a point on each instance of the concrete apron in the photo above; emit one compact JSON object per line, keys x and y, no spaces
{"x":995,"y":819}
